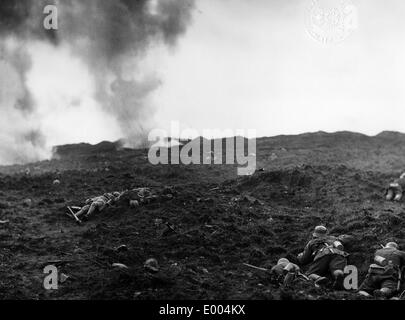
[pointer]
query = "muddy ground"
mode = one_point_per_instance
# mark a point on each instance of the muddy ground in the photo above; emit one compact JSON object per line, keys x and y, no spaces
{"x":219,"y":220}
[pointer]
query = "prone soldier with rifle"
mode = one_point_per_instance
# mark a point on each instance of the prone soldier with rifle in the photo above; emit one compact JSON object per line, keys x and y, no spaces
{"x":385,"y":275}
{"x":326,"y":257}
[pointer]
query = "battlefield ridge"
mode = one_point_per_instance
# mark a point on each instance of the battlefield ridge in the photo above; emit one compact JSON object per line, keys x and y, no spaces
{"x":215,"y":222}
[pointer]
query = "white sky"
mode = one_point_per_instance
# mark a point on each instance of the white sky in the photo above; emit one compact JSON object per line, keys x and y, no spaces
{"x":245,"y":65}
{"x":252,"y":65}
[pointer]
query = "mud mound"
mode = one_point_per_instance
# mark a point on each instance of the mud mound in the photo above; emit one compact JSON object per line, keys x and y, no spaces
{"x":74,"y":150}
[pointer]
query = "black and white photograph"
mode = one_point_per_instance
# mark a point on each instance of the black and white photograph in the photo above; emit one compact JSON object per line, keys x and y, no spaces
{"x":219,"y":151}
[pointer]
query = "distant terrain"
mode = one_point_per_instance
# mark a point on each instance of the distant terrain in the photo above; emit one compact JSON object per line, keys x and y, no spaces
{"x":219,"y":220}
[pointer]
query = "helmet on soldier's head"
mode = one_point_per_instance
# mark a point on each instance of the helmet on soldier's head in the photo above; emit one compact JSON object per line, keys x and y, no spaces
{"x":391,"y":245}
{"x":319,"y":231}
{"x":283,"y":261}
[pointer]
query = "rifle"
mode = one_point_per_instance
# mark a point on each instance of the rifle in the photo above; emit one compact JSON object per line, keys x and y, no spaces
{"x":72,"y":214}
{"x":254,"y":267}
{"x":300,"y":274}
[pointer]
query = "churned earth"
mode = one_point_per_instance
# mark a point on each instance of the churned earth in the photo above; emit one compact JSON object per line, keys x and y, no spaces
{"x":215,"y":222}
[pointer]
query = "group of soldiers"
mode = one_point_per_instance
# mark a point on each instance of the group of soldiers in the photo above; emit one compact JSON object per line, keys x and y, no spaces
{"x":324,"y":254}
{"x":326,"y":258}
{"x":134,"y":197}
{"x":395,"y":189}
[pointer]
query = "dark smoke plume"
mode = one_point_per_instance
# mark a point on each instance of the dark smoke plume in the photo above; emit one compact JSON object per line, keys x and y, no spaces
{"x":110,"y":36}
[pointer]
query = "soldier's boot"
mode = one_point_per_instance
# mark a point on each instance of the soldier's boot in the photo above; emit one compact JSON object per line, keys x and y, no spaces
{"x":398,"y":196}
{"x":318,"y":280}
{"x":385,"y":293}
{"x":364,"y":293}
{"x":338,"y":277}
{"x":390,"y":195}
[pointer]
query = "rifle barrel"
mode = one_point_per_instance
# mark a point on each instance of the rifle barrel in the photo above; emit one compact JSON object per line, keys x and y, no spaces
{"x":254,"y":267}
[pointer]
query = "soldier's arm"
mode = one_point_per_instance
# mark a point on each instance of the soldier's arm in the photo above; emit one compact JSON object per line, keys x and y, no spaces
{"x":402,"y":255}
{"x":112,"y":201}
{"x":276,"y":272}
{"x":306,"y":255}
{"x":292,"y":267}
{"x":273,"y":270}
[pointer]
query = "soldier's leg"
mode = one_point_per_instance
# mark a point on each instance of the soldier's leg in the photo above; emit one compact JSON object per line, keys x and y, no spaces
{"x":368,"y":286}
{"x":82,"y":211}
{"x":318,"y":280}
{"x":93,"y":207}
{"x":384,"y":293}
{"x":336,"y":266}
{"x":320,"y":266}
{"x":388,"y":287}
{"x":318,"y":269}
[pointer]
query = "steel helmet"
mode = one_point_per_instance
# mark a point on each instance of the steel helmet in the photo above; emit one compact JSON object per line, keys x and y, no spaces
{"x":319,"y":231}
{"x":392,"y":245}
{"x":283,"y":261}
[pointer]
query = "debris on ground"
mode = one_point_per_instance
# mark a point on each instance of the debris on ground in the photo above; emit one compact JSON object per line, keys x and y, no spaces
{"x":121,"y":248}
{"x":119,"y":266}
{"x":151,"y":265}
{"x":27,"y":202}
{"x":63,"y":277}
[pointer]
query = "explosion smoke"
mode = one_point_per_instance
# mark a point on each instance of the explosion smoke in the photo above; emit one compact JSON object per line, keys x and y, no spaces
{"x":110,"y":37}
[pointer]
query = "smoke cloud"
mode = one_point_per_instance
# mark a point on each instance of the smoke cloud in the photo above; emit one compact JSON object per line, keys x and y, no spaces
{"x":110,"y":38}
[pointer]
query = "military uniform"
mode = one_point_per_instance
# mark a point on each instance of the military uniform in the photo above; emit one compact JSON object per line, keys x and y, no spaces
{"x":146,"y":195}
{"x":284,"y":271}
{"x":101,"y":202}
{"x":325,"y":255}
{"x":384,"y":272}
{"x":395,"y":189}
{"x":97,"y":204}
